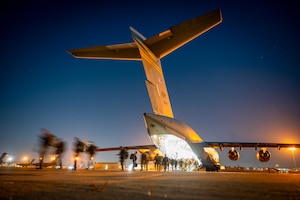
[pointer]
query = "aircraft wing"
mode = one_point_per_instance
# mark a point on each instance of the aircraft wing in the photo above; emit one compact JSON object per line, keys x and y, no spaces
{"x":126,"y":51}
{"x":178,"y":35}
{"x":240,"y":145}
{"x":140,"y":147}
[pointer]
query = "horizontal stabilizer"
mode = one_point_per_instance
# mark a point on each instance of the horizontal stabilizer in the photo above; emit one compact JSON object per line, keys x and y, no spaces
{"x":161,"y":44}
{"x":127,"y":51}
{"x":178,"y":35}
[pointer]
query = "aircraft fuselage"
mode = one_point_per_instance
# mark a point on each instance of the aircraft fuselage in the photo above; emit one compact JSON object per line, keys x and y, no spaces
{"x":179,"y":141}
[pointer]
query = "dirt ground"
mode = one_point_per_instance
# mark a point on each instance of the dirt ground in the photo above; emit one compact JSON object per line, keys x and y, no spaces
{"x":20,"y":183}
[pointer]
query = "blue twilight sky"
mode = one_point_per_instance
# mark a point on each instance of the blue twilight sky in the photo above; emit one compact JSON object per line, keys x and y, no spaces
{"x":238,"y":82}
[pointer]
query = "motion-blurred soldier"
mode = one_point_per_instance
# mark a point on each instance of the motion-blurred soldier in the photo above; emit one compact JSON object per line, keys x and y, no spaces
{"x":60,"y":148}
{"x":92,"y":150}
{"x":78,"y":148}
{"x":46,"y":140}
{"x":123,"y":155}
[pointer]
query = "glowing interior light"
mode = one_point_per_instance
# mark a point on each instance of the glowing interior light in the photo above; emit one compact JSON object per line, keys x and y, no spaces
{"x":174,"y":147}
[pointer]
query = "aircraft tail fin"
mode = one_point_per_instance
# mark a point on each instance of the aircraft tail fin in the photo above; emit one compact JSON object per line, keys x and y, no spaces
{"x":155,"y":82}
{"x":151,"y":50}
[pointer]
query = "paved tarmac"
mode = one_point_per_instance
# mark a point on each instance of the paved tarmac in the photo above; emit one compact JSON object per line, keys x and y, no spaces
{"x":20,"y":183}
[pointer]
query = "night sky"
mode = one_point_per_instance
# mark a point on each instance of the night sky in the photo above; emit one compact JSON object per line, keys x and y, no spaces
{"x":239,"y":82}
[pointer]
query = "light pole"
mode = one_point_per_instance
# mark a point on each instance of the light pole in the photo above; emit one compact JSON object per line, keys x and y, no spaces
{"x":293,"y":153}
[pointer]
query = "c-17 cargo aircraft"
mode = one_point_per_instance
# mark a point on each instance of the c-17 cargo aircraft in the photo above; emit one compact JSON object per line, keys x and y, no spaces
{"x":26,"y":164}
{"x":170,"y":136}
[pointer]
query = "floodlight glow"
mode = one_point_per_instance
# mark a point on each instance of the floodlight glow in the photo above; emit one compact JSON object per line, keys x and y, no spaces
{"x":10,"y":159}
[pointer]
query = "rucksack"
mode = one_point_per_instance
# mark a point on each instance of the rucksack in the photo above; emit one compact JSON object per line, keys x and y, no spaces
{"x":131,"y":156}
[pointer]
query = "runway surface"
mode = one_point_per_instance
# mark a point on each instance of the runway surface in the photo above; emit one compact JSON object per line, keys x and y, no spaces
{"x":20,"y":183}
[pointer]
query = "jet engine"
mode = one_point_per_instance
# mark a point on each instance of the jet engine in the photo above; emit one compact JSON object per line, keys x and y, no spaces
{"x":263,"y":155}
{"x":233,"y":154}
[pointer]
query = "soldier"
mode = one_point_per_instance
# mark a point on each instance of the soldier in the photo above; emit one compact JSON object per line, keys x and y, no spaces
{"x":133,"y":157}
{"x":91,"y":150}
{"x":145,"y":160}
{"x":156,"y":162}
{"x":46,"y":140}
{"x":159,"y":162}
{"x":123,"y":155}
{"x":173,"y":161}
{"x":78,"y":148}
{"x":60,"y":147}
{"x":165,"y":162}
